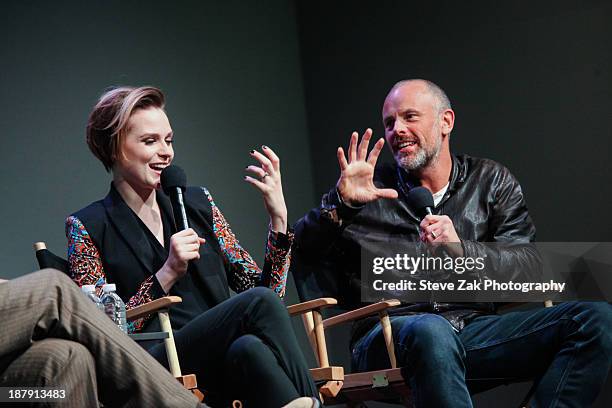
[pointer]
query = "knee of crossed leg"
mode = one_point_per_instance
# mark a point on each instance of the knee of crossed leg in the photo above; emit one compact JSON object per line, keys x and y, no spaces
{"x":595,"y":319}
{"x":81,"y":358}
{"x":56,"y":359}
{"x":245,"y":350}
{"x":270,"y":301}
{"x":55,"y":278}
{"x":56,"y":283}
{"x":429,"y":339}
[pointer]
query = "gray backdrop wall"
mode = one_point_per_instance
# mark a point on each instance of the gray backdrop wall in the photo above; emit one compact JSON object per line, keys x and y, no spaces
{"x":530,"y":82}
{"x":231,"y":74}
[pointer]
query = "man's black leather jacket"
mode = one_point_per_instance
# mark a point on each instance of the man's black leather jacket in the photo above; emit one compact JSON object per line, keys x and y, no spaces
{"x":484,"y":201}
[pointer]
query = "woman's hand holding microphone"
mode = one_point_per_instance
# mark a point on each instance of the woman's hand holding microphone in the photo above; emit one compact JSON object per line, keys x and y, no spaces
{"x":184,"y":247}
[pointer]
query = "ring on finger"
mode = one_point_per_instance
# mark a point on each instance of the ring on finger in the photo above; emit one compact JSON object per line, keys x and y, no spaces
{"x":264,"y":177}
{"x":433,"y":234}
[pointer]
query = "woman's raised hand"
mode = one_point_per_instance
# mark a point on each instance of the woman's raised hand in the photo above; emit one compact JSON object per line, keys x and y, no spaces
{"x":267,"y":179}
{"x":355,"y":185}
{"x":184,"y":247}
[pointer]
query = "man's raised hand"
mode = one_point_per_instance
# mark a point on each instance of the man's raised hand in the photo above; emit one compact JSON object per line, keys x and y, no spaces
{"x":356,"y":186}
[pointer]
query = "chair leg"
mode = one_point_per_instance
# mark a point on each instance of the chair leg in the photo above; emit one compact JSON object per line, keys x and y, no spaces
{"x":199,"y":395}
{"x":309,"y":327}
{"x":320,"y":337}
{"x":190,"y":382}
{"x":173,"y":361}
{"x":385,"y":322}
{"x":331,"y":388}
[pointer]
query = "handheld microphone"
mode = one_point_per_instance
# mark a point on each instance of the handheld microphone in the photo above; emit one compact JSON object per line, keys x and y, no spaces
{"x":421,"y":200}
{"x":174,"y":182}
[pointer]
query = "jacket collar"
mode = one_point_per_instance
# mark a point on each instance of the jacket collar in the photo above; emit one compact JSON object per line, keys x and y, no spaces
{"x":127,"y":225}
{"x":458,"y":174}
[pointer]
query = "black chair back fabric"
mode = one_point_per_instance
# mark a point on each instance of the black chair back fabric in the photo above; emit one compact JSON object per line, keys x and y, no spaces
{"x":47,"y":259}
{"x":311,"y":279}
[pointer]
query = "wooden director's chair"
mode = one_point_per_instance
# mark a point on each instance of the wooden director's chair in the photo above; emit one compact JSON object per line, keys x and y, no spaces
{"x":350,"y":389}
{"x":337,"y":386}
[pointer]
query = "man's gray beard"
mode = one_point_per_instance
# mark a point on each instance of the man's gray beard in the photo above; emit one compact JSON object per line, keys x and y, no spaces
{"x":419,"y":161}
{"x":411,"y":163}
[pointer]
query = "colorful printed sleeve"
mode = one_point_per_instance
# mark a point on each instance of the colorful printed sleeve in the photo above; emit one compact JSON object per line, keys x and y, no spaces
{"x":85,"y":268}
{"x":243,"y":273}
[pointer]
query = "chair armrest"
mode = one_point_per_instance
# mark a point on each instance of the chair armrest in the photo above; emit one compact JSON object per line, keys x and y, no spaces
{"x":361,"y":312}
{"x":304,"y":307}
{"x":151,"y":307}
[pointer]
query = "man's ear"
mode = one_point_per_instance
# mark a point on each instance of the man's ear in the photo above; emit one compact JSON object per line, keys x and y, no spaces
{"x":448,"y":121}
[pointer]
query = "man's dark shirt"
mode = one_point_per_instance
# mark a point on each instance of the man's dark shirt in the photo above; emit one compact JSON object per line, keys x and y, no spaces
{"x":483,"y":200}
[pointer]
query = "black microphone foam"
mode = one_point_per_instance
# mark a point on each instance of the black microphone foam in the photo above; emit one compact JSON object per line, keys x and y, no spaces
{"x":421,"y":200}
{"x":173,"y":177}
{"x":174,"y":183}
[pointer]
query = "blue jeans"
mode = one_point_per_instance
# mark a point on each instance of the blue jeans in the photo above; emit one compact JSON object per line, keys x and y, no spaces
{"x":567,"y":348}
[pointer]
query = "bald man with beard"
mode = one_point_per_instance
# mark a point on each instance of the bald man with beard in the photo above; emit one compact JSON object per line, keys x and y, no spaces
{"x":447,"y":351}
